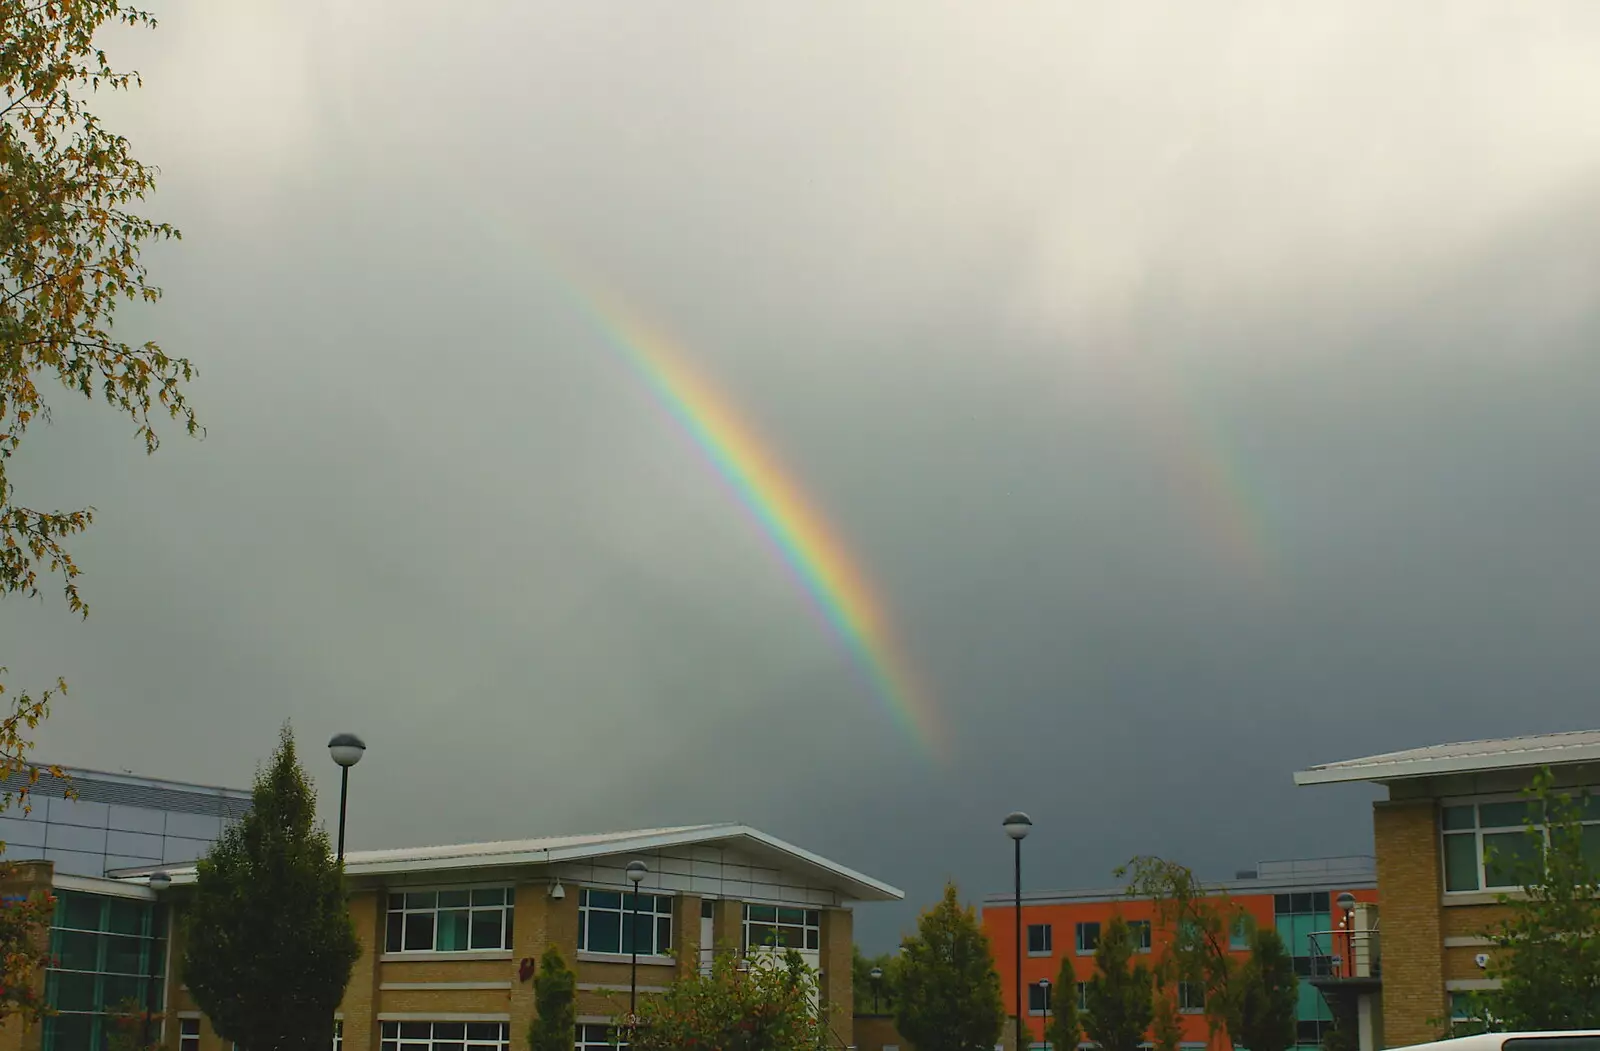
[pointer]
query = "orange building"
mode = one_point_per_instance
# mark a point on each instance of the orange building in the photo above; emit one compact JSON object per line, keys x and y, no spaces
{"x":1304,"y":900}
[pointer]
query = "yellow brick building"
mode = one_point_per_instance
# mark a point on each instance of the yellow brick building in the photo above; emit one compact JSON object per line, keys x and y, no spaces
{"x":1445,"y":806}
{"x":450,"y":933}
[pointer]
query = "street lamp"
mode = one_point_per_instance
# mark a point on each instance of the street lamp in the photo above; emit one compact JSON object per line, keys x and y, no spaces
{"x":876,"y":974}
{"x":1044,"y":983}
{"x":347,"y":750}
{"x":158,"y":882}
{"x":1017,"y":825}
{"x":636,"y":872}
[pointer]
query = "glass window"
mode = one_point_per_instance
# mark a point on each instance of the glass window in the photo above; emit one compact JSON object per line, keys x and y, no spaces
{"x":445,"y":1036}
{"x":708,"y":908}
{"x":1038,"y":998}
{"x":104,"y":953}
{"x":1087,"y":937}
{"x":773,"y":927}
{"x":1461,"y":862}
{"x":449,"y":920}
{"x":1505,"y":854}
{"x":1039,"y":938}
{"x":188,"y":1034}
{"x":1083,"y":996}
{"x":1239,"y":934}
{"x":1140,"y":930}
{"x":1191,"y":997}
{"x":593,"y":1037}
{"x":1459,"y":817}
{"x":606,"y":922}
{"x":338,"y":1034}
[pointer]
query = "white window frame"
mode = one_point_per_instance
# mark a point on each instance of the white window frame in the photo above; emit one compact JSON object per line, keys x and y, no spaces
{"x":393,"y":1043}
{"x":188,"y":1041}
{"x":1077,"y":936}
{"x":805,"y":926}
{"x":655,"y":914}
{"x":1040,"y":1012}
{"x":582,"y":1040}
{"x":1479,"y":830}
{"x":507,"y":917}
{"x":1184,"y":1006}
{"x":1143,"y":932}
{"x":1049,"y":939}
{"x":338,"y":1034}
{"x":1083,"y":995}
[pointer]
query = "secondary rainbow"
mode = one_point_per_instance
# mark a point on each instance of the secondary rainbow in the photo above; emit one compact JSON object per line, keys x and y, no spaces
{"x":837,"y":586}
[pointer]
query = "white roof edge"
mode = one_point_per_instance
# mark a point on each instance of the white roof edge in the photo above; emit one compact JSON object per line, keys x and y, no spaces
{"x":1518,"y":753}
{"x":871,"y":889}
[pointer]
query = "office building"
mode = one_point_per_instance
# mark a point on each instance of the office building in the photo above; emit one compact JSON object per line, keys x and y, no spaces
{"x":1447,"y":808}
{"x":1311,"y":903}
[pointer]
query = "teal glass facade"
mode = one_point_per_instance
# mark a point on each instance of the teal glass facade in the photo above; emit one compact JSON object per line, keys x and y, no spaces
{"x":1298,"y":916}
{"x":107,"y":956}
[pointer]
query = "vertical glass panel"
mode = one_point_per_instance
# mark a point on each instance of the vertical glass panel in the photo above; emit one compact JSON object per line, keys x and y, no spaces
{"x":603,"y":899}
{"x":1591,"y":847}
{"x":663,"y":934}
{"x":487,"y":925}
{"x":80,"y":912}
{"x":72,"y":992}
{"x":1503,"y":815}
{"x":811,"y":938}
{"x":394,"y":937}
{"x":126,"y":917}
{"x":455,"y":899}
{"x":125,"y":955}
{"x":419,"y":931}
{"x":77,"y":950}
{"x":1461,"y":862}
{"x":605,"y":932}
{"x":423,"y":900}
{"x":449,"y":1030}
{"x":1459,"y":817}
{"x":489,"y":897}
{"x":452,"y":931}
{"x":1505,"y":855}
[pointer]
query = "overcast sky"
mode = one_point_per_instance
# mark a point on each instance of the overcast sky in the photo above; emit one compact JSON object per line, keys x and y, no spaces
{"x":1209,"y":390}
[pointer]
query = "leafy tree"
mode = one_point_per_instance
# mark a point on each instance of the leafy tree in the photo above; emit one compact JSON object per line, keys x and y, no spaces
{"x":866,"y":991}
{"x":949,"y":990}
{"x":1121,"y":1006}
{"x":131,"y":1027}
{"x":1267,"y":996}
{"x":25,"y":941}
{"x":1167,"y":1030}
{"x":1548,"y":958}
{"x":555,"y":998}
{"x":1064,"y":1027}
{"x":1202,"y":922}
{"x":69,"y":254}
{"x":763,"y":1002}
{"x":270,"y":939}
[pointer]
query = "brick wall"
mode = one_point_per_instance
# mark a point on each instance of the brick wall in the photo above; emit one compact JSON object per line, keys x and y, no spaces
{"x":838,"y":990}
{"x":1409,"y":886}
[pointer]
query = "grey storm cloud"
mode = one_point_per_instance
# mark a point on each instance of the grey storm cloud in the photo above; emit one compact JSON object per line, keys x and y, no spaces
{"x":1208,"y":390}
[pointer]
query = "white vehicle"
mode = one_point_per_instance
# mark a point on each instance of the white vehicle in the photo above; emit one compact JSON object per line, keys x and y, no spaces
{"x":1575,"y":1040}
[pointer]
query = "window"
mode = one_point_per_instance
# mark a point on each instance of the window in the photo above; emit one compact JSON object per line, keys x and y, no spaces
{"x":1140,"y":930}
{"x":338,"y":1034}
{"x":1239,"y":934}
{"x":1083,"y":996}
{"x":708,"y":908}
{"x":446,"y":1036}
{"x":780,"y":927}
{"x":1485,"y":843}
{"x":1038,"y":998}
{"x":1191,"y":997}
{"x":1039,"y":939}
{"x":604,"y":917}
{"x":450,"y":920}
{"x":188,"y":1034}
{"x":103,"y":951}
{"x":595,"y":1037}
{"x":1088,"y":937}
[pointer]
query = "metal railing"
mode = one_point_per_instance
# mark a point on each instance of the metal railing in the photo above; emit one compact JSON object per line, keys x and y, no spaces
{"x":1345,"y":953}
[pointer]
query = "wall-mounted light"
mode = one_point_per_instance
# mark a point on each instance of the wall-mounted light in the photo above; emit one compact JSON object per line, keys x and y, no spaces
{"x":557,"y":891}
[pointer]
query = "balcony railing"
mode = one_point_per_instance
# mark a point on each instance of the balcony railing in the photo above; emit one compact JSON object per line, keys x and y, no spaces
{"x":1346,"y":954}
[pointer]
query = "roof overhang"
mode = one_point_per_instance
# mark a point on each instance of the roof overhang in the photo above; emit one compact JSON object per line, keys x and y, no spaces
{"x":853,"y":885}
{"x":1472,"y":758}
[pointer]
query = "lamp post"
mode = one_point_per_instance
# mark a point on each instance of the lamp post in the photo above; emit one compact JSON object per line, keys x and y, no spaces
{"x":1044,"y":983}
{"x":347,"y":750}
{"x":158,"y":881}
{"x":1017,"y":825}
{"x":1347,"y":904}
{"x":636,"y":871}
{"x":876,"y":974}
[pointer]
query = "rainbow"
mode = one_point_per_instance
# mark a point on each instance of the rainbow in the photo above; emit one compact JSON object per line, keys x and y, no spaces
{"x":837,"y":586}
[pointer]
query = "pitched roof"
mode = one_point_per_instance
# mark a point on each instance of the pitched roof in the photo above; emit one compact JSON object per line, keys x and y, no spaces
{"x":1502,"y":753}
{"x":555,"y":849}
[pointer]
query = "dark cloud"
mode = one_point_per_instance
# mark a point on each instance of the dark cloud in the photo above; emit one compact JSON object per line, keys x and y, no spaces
{"x":1208,"y":393}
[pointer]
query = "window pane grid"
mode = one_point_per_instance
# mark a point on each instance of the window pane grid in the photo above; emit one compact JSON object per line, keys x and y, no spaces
{"x":773,"y":926}
{"x":1484,"y":844}
{"x":445,"y":1036}
{"x":606,"y":922}
{"x":460,"y":920}
{"x":593,"y":1037}
{"x":1039,"y":937}
{"x":105,"y":953}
